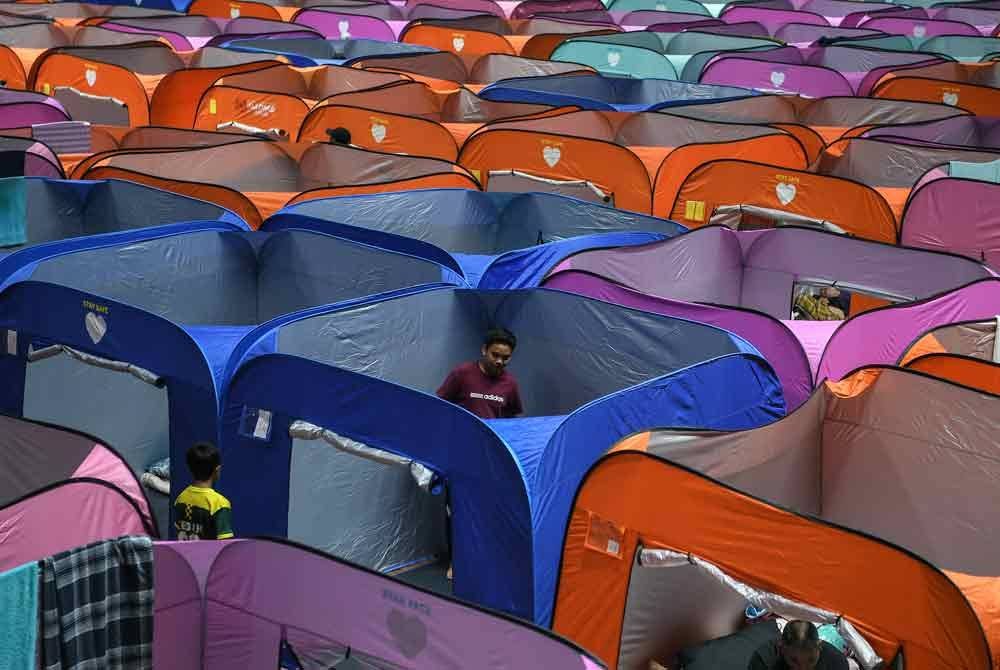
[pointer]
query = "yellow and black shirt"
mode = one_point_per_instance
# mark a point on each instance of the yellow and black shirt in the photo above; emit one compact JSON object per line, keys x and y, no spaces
{"x":202,"y":514}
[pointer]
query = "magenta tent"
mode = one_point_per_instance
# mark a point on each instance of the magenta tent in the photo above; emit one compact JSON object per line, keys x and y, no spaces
{"x":248,"y":604}
{"x":20,"y":109}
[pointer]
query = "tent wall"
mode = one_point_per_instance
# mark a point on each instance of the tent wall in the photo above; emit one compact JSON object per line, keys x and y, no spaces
{"x":973,"y":339}
{"x":369,"y":513}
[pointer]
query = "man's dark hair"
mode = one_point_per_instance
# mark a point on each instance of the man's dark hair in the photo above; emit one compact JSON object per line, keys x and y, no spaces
{"x":800,"y":635}
{"x":202,"y":460}
{"x":500,"y":336}
{"x":339,"y":135}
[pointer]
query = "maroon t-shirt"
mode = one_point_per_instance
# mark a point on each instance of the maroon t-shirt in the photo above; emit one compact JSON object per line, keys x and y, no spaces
{"x":484,"y":396}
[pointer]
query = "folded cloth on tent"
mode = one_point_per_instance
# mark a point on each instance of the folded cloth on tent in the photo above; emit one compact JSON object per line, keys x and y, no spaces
{"x":160,"y":468}
{"x":19,"y":618}
{"x":98,"y":606}
{"x":13,"y":204}
{"x":158,"y":484}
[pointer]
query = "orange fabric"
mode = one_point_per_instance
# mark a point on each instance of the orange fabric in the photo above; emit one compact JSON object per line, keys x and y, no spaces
{"x":443,"y":180}
{"x":811,"y":140}
{"x":861,"y":303}
{"x":972,"y":372}
{"x":976,"y":99}
{"x":652,"y":157}
{"x":223,"y":104}
{"x":232,"y":9}
{"x":379,"y":131}
{"x":286,"y":13}
{"x":458,"y":41}
{"x":887,"y":595}
{"x":781,"y":151}
{"x":830,"y":134}
{"x":12,"y":72}
{"x":861,"y":381}
{"x":220,"y":195}
{"x":896,"y":197}
{"x":854,"y":207}
{"x":540,"y":47}
{"x":518,"y":41}
{"x":461,"y":131}
{"x":62,"y":69}
{"x":637,"y":442}
{"x":983,"y":593}
{"x":27,"y":57}
{"x":268,"y":202}
{"x":926,"y":345}
{"x":176,"y":100}
{"x":410,"y":97}
{"x":561,"y":157}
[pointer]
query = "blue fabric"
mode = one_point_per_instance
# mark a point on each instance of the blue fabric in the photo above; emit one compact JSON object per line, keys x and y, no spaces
{"x":473,"y":266}
{"x":527,"y":437}
{"x":19,"y":618}
{"x":217,"y":343}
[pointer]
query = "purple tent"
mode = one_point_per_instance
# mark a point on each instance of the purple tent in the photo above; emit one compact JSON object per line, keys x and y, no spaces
{"x":834,"y":11}
{"x":743,"y":29}
{"x":803,"y":35}
{"x":852,"y":346}
{"x":947,"y":212}
{"x":773,"y":339}
{"x":530,"y":8}
{"x":340,"y":26}
{"x":237,"y":605}
{"x":20,"y":157}
{"x":783,"y":76}
{"x":857,"y":19}
{"x":760,"y":269}
{"x":469,"y":6}
{"x":20,"y":109}
{"x":959,"y":131}
{"x":772,"y":19}
{"x":984,"y":20}
{"x":920,"y":28}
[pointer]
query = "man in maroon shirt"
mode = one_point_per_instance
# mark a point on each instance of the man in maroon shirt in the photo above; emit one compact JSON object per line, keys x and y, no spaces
{"x":484,"y":387}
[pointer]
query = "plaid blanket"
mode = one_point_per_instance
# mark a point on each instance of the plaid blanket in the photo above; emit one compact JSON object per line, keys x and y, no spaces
{"x":97,"y":607}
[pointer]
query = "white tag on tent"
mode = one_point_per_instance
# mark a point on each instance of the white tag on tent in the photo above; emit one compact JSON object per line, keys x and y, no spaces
{"x":263,"y":427}
{"x":12,"y":342}
{"x":996,"y":341}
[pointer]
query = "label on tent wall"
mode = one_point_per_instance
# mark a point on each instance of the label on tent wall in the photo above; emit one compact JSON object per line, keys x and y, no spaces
{"x":12,"y":342}
{"x":694,"y":210}
{"x":213,"y":106}
{"x":605,"y":537}
{"x":256,"y":423}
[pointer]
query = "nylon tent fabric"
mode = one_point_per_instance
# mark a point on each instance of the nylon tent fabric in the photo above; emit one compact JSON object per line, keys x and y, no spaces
{"x":23,"y":108}
{"x":529,"y":462}
{"x":864,"y":581}
{"x":213,"y":285}
{"x":759,"y":269}
{"x":470,"y":230}
{"x":21,"y":157}
{"x":388,"y":621}
{"x":965,"y":370}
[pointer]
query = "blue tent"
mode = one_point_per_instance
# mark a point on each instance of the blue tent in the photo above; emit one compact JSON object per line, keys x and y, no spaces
{"x":510,"y":240}
{"x":333,"y":410}
{"x":309,"y":52}
{"x":36,"y":210}
{"x":129,"y":334}
{"x":608,"y":93}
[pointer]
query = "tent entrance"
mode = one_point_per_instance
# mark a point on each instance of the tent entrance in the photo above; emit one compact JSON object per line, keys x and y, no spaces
{"x":751,"y":217}
{"x":679,"y":601}
{"x":367,"y":505}
{"x":825,"y":300}
{"x":126,"y":406}
{"x":517,"y":181}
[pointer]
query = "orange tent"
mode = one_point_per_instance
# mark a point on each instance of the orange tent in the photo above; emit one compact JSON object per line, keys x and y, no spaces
{"x":854,"y":208}
{"x":654,"y":552}
{"x":11,"y":70}
{"x":458,"y":40}
{"x":542,"y":45}
{"x":234,"y":9}
{"x":454,"y":179}
{"x":381,"y":131}
{"x":230,"y":106}
{"x":966,"y":370}
{"x":977,"y":99}
{"x":175,"y":101}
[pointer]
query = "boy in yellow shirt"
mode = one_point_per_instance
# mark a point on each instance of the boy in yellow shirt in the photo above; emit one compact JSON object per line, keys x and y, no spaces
{"x":201,"y":512}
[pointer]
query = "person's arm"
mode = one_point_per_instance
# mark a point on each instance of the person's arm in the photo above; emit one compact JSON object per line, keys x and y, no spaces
{"x":223,"y":519}
{"x":449,"y":388}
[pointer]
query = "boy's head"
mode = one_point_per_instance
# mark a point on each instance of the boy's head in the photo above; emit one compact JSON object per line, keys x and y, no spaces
{"x":204,"y":462}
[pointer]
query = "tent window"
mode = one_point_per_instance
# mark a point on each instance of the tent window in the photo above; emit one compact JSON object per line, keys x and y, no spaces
{"x":824,"y":300}
{"x":751,"y":217}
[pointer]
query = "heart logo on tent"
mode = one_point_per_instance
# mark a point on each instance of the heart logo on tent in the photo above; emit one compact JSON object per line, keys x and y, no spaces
{"x":234,"y":12}
{"x":785,"y":192}
{"x":90,"y":74}
{"x":379,"y":132}
{"x":661,"y":7}
{"x":949,"y":98}
{"x":458,"y":43}
{"x":919,"y":30}
{"x":138,"y":2}
{"x":96,"y":326}
{"x":345,"y":29}
{"x":614,"y":58}
{"x":778,"y":78}
{"x":408,"y":632}
{"x":551,"y":155}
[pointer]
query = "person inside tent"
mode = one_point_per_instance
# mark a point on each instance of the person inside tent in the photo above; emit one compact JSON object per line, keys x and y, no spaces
{"x":485,"y":387}
{"x":203,"y":513}
{"x":340,"y":135}
{"x":798,"y":648}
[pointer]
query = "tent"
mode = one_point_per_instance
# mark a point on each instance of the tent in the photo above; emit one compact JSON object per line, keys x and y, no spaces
{"x":61,"y":489}
{"x":194,"y":290}
{"x":964,"y":370}
{"x":335,"y":435}
{"x":325,"y":611}
{"x":641,"y":580}
{"x":24,"y":108}
{"x":514,"y":238}
{"x":23,"y":157}
{"x":929,"y":221}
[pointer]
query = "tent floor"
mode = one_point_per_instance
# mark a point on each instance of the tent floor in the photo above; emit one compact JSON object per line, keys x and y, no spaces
{"x":432,"y":577}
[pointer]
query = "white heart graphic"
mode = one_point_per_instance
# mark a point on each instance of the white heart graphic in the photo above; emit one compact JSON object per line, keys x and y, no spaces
{"x":96,"y":326}
{"x":458,"y":43}
{"x":919,"y":30}
{"x":138,"y":2}
{"x":234,"y":12}
{"x":661,"y":7}
{"x":91,"y":76}
{"x":950,"y":98}
{"x":785,"y":192}
{"x":614,"y":58}
{"x":345,"y":29}
{"x":778,"y":78}
{"x":551,"y":155}
{"x":379,"y":132}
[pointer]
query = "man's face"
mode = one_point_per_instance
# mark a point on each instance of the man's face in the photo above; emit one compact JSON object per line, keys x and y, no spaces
{"x":801,"y":658}
{"x":495,"y":358}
